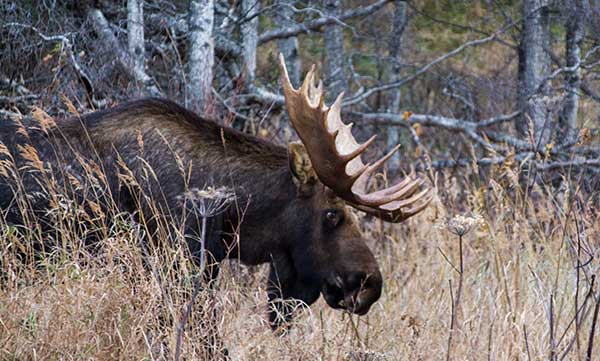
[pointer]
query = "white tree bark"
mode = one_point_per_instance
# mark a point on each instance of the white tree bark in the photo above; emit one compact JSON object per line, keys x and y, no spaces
{"x":573,"y":39}
{"x":335,"y":72}
{"x":289,"y":46}
{"x":534,"y":67}
{"x":200,"y":54}
{"x":105,"y":34}
{"x":395,"y":47}
{"x":250,"y":38}
{"x":135,"y":36}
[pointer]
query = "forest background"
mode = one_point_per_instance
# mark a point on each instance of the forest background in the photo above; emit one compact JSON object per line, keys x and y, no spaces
{"x":496,"y":102}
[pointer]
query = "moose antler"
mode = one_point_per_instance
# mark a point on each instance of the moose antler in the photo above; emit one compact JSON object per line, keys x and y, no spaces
{"x":335,"y":154}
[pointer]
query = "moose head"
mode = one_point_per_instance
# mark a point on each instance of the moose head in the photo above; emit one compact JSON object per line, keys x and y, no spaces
{"x":327,"y":253}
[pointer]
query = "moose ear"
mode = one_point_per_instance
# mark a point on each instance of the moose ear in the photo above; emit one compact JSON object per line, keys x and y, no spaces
{"x":301,"y":167}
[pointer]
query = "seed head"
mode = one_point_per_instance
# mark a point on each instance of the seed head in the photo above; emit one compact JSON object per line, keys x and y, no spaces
{"x":461,"y":225}
{"x":207,"y":202}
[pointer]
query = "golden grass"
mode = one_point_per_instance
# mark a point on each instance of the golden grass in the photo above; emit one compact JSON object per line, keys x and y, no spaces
{"x":519,"y":268}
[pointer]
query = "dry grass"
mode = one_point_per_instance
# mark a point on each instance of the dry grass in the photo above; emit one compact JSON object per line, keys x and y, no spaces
{"x":521,"y":286}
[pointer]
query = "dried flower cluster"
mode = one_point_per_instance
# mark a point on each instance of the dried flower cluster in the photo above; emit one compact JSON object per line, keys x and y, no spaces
{"x":461,"y":225}
{"x":208,"y":202}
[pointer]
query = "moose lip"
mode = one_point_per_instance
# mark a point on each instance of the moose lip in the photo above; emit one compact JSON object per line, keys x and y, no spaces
{"x":355,"y":306}
{"x":334,"y":296}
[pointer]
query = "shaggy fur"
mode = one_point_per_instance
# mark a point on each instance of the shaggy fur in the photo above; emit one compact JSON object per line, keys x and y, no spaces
{"x":148,"y":153}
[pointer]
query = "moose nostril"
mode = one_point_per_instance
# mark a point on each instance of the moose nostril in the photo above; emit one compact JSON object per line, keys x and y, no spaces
{"x":355,"y":280}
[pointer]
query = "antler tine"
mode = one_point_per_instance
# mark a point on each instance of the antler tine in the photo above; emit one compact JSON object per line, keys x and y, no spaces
{"x":405,"y":185}
{"x":358,"y":151}
{"x":405,"y":202}
{"x":316,"y":93}
{"x":321,"y":93}
{"x":361,"y":182}
{"x":419,"y":207}
{"x":288,"y":88}
{"x":334,"y":112}
{"x":385,"y":196}
{"x":335,"y":153}
{"x":308,"y":87}
{"x":395,"y":215}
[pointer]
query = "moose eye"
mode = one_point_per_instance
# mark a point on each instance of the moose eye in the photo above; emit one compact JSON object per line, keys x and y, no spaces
{"x":333,"y":217}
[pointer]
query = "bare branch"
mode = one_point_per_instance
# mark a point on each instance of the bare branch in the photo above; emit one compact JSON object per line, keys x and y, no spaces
{"x":365,"y":94}
{"x":498,"y":119}
{"x":360,"y":97}
{"x":17,"y":99}
{"x":102,"y":28}
{"x":85,"y":79}
{"x":318,"y":23}
{"x":468,"y":128}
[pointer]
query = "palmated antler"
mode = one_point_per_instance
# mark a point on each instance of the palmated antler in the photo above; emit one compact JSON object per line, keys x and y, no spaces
{"x":335,"y":154}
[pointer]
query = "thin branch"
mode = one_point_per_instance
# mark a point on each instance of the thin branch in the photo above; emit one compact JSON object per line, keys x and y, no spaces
{"x":17,"y":99}
{"x":85,"y":79}
{"x":526,"y":343}
{"x":360,"y":97}
{"x":498,"y":119}
{"x":318,"y":23}
{"x":588,"y":356}
{"x":569,"y":164}
{"x":468,"y":128}
{"x":459,"y":26}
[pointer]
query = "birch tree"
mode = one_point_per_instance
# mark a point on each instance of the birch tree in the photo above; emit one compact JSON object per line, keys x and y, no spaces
{"x":333,"y":39}
{"x":573,"y":38}
{"x":249,"y":29}
{"x":399,"y":23}
{"x":107,"y":37}
{"x":200,"y":54}
{"x":289,"y":46}
{"x":534,"y":67}
{"x":135,"y":36}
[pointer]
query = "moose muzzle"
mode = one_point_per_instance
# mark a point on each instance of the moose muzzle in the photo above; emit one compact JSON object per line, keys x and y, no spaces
{"x":354,"y":292}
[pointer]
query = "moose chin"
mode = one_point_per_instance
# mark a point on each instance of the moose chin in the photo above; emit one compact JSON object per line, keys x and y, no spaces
{"x":291,"y":203}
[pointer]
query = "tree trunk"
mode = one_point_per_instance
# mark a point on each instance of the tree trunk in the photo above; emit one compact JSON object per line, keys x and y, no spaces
{"x":335,"y":72}
{"x":250,"y":38}
{"x":106,"y":36}
{"x":395,"y":47}
{"x":573,"y":39}
{"x":289,"y":46}
{"x":135,"y":36}
{"x":200,"y":54}
{"x":534,"y":66}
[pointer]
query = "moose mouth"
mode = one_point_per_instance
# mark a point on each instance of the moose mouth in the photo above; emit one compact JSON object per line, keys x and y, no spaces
{"x":355,"y":301}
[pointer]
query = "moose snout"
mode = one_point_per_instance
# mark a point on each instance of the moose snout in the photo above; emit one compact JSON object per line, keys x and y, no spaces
{"x":355,"y":292}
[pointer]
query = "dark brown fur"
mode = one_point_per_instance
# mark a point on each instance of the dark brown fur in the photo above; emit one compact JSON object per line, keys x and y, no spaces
{"x":303,"y":230}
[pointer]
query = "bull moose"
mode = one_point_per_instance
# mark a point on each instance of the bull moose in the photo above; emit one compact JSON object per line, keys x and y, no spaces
{"x":294,"y":200}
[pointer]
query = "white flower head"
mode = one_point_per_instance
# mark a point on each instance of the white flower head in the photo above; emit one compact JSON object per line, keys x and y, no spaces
{"x":461,"y":225}
{"x":208,"y":202}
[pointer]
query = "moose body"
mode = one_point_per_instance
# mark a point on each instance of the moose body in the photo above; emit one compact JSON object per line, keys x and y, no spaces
{"x":276,"y":225}
{"x":288,"y":211}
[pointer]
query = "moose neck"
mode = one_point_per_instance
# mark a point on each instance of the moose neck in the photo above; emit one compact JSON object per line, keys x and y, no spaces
{"x":255,"y":169}
{"x":257,"y":218}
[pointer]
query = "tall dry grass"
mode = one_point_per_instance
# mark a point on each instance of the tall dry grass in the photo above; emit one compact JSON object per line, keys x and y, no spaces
{"x":526,"y":275}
